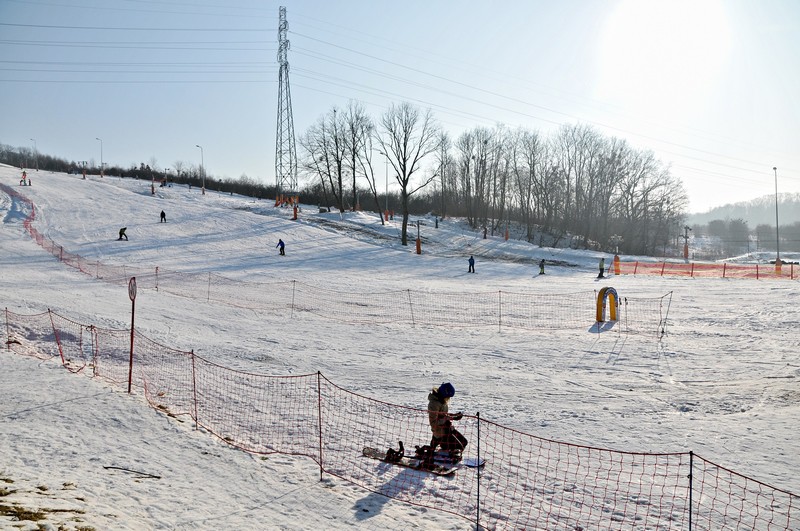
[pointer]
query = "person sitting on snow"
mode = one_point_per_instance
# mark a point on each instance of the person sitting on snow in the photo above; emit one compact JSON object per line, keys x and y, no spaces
{"x":441,"y":421}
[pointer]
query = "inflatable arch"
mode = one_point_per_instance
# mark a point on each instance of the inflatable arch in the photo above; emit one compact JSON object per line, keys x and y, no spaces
{"x":607,"y":293}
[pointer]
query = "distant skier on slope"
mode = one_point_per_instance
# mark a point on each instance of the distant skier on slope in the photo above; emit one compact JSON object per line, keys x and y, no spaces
{"x":163,"y":217}
{"x":281,"y":246}
{"x":441,"y":421}
{"x":471,"y":265}
{"x":602,"y":267}
{"x":122,"y":233}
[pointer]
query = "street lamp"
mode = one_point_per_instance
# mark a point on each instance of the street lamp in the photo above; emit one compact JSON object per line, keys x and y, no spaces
{"x":101,"y":155}
{"x":777,"y":236}
{"x":35,"y":154}
{"x":202,"y":168}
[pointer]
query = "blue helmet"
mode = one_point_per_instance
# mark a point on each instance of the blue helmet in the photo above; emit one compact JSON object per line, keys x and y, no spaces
{"x":446,"y":390}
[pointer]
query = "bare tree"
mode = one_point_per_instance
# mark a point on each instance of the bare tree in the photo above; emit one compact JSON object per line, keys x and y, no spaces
{"x":326,"y":151}
{"x":408,"y":137}
{"x":357,"y":134}
{"x":179,"y":165}
{"x":444,"y":161}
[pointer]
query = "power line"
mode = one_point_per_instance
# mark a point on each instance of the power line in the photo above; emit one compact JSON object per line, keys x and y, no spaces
{"x":117,"y":28}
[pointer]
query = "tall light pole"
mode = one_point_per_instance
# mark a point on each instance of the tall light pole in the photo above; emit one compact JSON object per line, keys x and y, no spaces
{"x":202,"y":169}
{"x":101,"y":155}
{"x":777,"y":235}
{"x":35,"y":153}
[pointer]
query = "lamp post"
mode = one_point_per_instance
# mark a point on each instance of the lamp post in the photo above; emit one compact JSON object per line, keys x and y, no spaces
{"x":777,"y":235}
{"x":101,"y":155}
{"x":35,"y":154}
{"x":202,"y":168}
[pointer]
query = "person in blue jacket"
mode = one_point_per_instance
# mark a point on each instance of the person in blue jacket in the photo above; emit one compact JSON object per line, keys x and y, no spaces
{"x":281,"y":246}
{"x":471,"y":265}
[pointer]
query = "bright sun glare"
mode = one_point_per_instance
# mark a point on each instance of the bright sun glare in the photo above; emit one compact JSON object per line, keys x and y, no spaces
{"x":662,"y":57}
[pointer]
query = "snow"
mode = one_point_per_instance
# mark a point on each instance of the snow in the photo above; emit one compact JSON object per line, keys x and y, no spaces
{"x":722,"y":382}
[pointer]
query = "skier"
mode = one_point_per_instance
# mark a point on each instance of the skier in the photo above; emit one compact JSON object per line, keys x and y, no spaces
{"x":24,"y":176}
{"x":444,"y":434}
{"x":163,"y":217}
{"x":281,"y":245}
{"x":541,"y":267}
{"x":471,"y":265}
{"x":122,"y":233}
{"x":602,"y":267}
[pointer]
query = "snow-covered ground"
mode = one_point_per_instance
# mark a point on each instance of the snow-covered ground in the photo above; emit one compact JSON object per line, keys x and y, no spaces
{"x":723,"y":382}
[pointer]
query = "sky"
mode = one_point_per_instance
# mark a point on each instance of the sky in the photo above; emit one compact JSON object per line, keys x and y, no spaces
{"x":709,"y":86}
{"x":722,"y":382}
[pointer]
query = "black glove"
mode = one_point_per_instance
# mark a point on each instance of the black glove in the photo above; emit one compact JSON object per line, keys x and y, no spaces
{"x":457,"y":416}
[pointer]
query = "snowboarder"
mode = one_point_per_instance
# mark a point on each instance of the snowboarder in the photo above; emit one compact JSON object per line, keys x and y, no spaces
{"x":444,"y":434}
{"x":122,"y":233}
{"x":281,"y":246}
{"x":471,"y":265}
{"x":541,"y":267}
{"x":602,"y":267}
{"x":163,"y":217}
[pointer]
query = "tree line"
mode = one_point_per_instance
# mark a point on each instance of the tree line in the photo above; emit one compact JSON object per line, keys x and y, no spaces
{"x":734,"y":237}
{"x":576,"y":185}
{"x":179,"y":173}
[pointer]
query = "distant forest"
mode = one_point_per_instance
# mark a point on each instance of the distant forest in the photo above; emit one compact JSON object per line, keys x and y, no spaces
{"x":749,"y":227}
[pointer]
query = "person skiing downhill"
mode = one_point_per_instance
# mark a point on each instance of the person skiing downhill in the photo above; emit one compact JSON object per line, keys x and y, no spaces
{"x":281,"y":246}
{"x":441,"y":421}
{"x":122,"y":233}
{"x":471,"y":265}
{"x":163,"y":217}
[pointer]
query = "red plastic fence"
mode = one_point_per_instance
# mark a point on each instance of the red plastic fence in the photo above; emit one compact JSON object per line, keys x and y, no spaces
{"x":528,"y":482}
{"x":723,"y":270}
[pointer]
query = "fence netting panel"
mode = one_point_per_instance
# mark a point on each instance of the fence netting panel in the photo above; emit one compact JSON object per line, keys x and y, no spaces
{"x":30,"y":335}
{"x":275,"y":296}
{"x":535,"y":483}
{"x":76,"y":342}
{"x":350,"y":306}
{"x":723,"y":499}
{"x":166,"y":376}
{"x":647,"y":315}
{"x":547,"y":310}
{"x":258,"y":413}
{"x":113,"y":356}
{"x":710,"y":270}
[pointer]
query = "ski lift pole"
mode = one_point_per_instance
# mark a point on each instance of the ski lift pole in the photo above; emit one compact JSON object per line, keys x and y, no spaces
{"x":132,"y":295}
